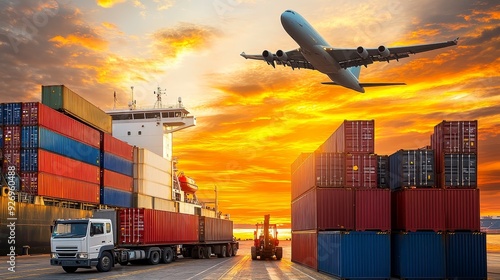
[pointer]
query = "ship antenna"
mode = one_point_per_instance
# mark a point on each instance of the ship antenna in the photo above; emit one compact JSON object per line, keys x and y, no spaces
{"x":131,"y":105}
{"x":158,"y":93}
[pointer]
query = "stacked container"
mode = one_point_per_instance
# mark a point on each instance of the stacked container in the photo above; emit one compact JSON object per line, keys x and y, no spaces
{"x":336,"y":204}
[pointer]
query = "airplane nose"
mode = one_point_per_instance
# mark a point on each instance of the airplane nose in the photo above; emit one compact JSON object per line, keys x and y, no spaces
{"x":285,"y":19}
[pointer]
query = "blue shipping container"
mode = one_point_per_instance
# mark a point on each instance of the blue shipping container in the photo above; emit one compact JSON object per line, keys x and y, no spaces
{"x":59,"y":144}
{"x":117,"y":164}
{"x":29,"y":160}
{"x":12,"y":114}
{"x":355,"y":254}
{"x":1,"y":137}
{"x":412,"y":168}
{"x":29,"y":137}
{"x":418,"y":255}
{"x":466,"y":255}
{"x":1,"y":114}
{"x":113,"y":197}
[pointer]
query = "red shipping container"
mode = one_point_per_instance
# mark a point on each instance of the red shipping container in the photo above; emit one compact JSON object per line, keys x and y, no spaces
{"x":150,"y":227}
{"x":373,"y":209}
{"x":66,"y":167}
{"x":298,"y":161}
{"x":361,"y":171}
{"x":29,"y":182}
{"x":418,"y":209}
{"x":455,"y":137}
{"x":116,"y":180}
{"x":351,"y":137}
{"x":54,"y":186}
{"x":462,"y":209}
{"x":117,"y":147}
{"x":67,"y":126}
{"x":305,"y":248}
{"x":303,"y":177}
{"x":213,"y":229}
{"x":29,"y":114}
{"x":324,"y":209}
{"x":12,"y":137}
{"x":11,"y":157}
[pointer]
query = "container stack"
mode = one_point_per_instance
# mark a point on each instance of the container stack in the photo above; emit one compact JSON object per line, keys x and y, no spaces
{"x":339,"y":216}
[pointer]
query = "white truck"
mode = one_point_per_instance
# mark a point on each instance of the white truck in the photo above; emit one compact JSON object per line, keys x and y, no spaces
{"x":151,"y":235}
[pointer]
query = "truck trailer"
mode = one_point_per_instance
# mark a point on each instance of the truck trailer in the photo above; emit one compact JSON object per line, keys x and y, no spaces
{"x":135,"y":234}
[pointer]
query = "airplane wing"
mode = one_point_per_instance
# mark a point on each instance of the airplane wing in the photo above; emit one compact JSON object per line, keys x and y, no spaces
{"x":361,"y":56}
{"x":293,"y":58}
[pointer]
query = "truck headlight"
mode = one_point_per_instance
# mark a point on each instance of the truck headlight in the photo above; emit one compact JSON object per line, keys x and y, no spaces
{"x":82,"y":256}
{"x":53,"y":255}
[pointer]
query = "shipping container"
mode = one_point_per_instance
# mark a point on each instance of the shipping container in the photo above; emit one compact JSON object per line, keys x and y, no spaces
{"x":60,"y":144}
{"x":305,"y":248}
{"x":419,"y":209}
{"x":329,"y":169}
{"x":54,"y":186}
{"x":1,"y":137}
{"x":455,"y":137}
{"x":361,"y":171}
{"x":142,"y":201}
{"x":67,"y":126}
{"x":12,"y":137}
{"x":457,"y":171}
{"x":462,"y":209}
{"x":303,"y":178}
{"x":117,"y":164}
{"x":298,"y":161}
{"x":355,"y":255}
{"x":418,"y":255}
{"x":466,"y":255}
{"x":382,"y":171}
{"x":11,"y":157}
{"x":373,"y":209}
{"x":412,"y":168}
{"x":324,"y":209}
{"x":59,"y":165}
{"x":29,"y":113}
{"x":153,"y":173}
{"x":11,"y":114}
{"x":145,"y":156}
{"x":114,"y":197}
{"x":117,"y":147}
{"x":169,"y":205}
{"x":29,"y":181}
{"x":351,"y":137}
{"x":29,"y":160}
{"x":63,"y":99}
{"x":116,"y":180}
{"x":146,"y":187}
{"x":29,"y":136}
{"x":213,"y":229}
{"x":1,"y":113}
{"x":140,"y":227}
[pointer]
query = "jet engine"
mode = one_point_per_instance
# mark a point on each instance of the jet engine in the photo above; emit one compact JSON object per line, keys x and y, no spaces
{"x":383,"y":51}
{"x":281,"y":55}
{"x":362,"y":52}
{"x":268,"y":56}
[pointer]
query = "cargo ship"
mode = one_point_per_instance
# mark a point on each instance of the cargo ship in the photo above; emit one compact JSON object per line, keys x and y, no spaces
{"x":490,"y":224}
{"x":70,"y":158}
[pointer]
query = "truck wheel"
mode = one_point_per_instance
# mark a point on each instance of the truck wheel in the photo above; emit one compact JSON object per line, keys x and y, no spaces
{"x":154,"y":258}
{"x":168,"y":255}
{"x":254,"y":253}
{"x":229,"y":250}
{"x":279,"y":253}
{"x":105,"y":262}
{"x":70,"y":269}
{"x":235,"y":250}
{"x":222,"y":252}
{"x":206,"y":252}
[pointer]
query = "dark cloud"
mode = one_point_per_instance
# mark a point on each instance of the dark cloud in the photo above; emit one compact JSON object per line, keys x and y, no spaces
{"x":486,"y":36}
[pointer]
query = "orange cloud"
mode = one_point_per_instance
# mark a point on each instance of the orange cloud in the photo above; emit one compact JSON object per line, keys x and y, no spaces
{"x":109,"y":3}
{"x":85,"y":40}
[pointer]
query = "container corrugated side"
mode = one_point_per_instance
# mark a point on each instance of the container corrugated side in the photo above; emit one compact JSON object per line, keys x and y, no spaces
{"x":62,"y":98}
{"x":355,"y":255}
{"x":305,"y":248}
{"x":361,"y":171}
{"x":419,"y":209}
{"x":462,"y":209}
{"x":117,"y":147}
{"x":304,"y":212}
{"x":29,"y":160}
{"x":147,"y":227}
{"x":11,"y":113}
{"x":66,"y":188}
{"x":466,"y":255}
{"x":29,"y":182}
{"x":114,"y":197}
{"x":373,"y":209}
{"x":335,"y":208}
{"x":12,"y":137}
{"x":29,"y":113}
{"x":67,"y":167}
{"x":303,"y":178}
{"x":67,"y":126}
{"x":142,"y":201}
{"x":418,"y":255}
{"x":29,"y":136}
{"x":298,"y":161}
{"x":116,"y":180}
{"x":457,"y":171}
{"x":168,"y":205}
{"x":412,"y":168}
{"x":153,"y":174}
{"x":352,"y":136}
{"x":117,"y":164}
{"x":455,"y":137}
{"x":142,"y":155}
{"x":330,"y":169}
{"x":11,"y":157}
{"x":60,"y":144}
{"x":382,"y":171}
{"x":213,"y":229}
{"x":146,"y":187}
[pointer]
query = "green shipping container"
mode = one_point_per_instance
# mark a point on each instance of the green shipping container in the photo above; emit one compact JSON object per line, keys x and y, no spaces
{"x":63,"y":99}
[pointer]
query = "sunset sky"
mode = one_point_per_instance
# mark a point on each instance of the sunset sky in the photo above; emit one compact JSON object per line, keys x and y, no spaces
{"x":253,"y":120}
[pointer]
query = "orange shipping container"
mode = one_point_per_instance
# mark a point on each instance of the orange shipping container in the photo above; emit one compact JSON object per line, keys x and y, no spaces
{"x":66,"y":167}
{"x":68,"y":189}
{"x":116,"y":180}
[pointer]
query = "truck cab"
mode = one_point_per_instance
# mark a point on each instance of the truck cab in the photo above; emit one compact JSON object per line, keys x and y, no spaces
{"x":82,"y":243}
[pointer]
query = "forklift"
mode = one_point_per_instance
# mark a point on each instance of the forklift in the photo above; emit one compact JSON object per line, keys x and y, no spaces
{"x":266,"y":241}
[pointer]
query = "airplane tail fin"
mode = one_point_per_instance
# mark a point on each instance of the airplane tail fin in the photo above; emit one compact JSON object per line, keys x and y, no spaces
{"x":355,"y":71}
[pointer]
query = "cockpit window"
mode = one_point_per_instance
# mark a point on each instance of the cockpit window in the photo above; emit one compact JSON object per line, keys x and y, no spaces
{"x":290,"y":11}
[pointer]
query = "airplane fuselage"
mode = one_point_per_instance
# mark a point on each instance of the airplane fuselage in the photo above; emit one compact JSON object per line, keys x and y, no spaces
{"x":312,"y":47}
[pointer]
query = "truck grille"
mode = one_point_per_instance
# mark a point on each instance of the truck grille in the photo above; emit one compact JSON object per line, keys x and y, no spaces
{"x":66,"y":252}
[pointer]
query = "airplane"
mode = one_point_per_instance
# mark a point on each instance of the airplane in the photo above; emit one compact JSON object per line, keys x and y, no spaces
{"x":342,"y":66}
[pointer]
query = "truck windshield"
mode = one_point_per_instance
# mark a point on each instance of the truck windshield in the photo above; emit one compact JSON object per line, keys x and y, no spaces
{"x":70,"y":229}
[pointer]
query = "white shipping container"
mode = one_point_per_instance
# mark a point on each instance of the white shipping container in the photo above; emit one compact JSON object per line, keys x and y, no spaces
{"x":163,"y":204}
{"x":142,"y":201}
{"x":208,"y":213}
{"x":187,"y":208}
{"x":152,"y":189}
{"x":152,"y":174}
{"x":142,"y":155}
